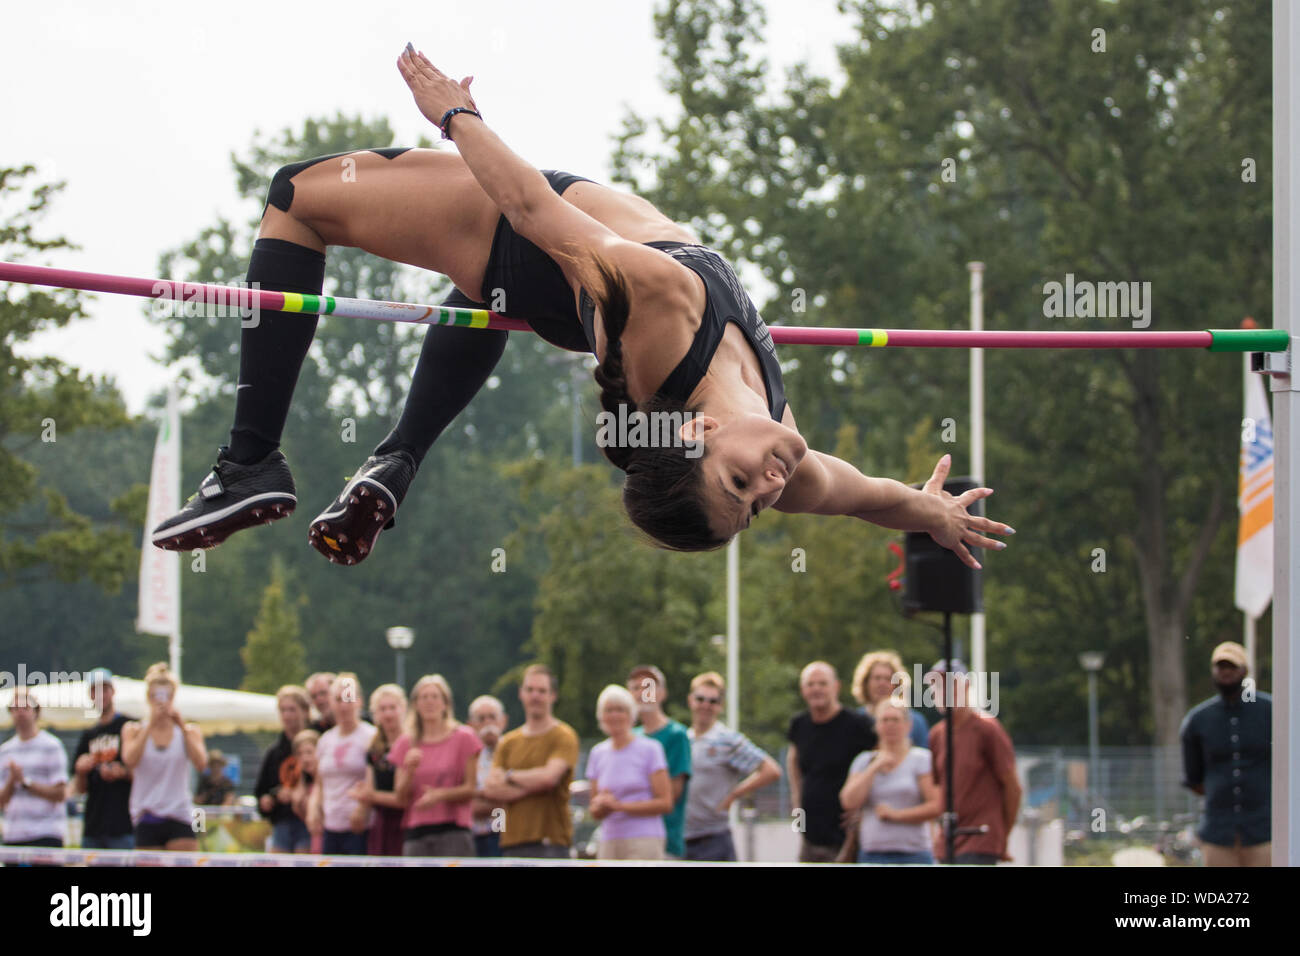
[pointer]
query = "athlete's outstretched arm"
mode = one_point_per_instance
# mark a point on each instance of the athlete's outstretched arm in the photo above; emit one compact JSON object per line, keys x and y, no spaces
{"x":521,"y":192}
{"x":826,"y":485}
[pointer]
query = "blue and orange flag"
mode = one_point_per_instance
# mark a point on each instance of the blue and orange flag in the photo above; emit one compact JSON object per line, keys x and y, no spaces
{"x":1254,"y":588}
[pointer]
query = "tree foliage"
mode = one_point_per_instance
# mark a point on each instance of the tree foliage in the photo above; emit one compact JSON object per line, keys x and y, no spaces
{"x":1122,"y":165}
{"x":44,"y":401}
{"x":272,"y":654}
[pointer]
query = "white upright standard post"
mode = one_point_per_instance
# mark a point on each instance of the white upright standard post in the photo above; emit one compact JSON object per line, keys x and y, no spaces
{"x":733,"y":645}
{"x":1286,"y":435}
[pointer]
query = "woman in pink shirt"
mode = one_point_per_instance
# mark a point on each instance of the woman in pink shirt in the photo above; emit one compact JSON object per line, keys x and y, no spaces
{"x":437,"y":773}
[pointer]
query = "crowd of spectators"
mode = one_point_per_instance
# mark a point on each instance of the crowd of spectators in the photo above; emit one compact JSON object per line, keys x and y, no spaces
{"x":407,"y":777}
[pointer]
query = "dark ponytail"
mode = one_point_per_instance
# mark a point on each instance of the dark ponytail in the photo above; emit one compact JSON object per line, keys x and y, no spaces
{"x":663,"y":493}
{"x":610,"y":376}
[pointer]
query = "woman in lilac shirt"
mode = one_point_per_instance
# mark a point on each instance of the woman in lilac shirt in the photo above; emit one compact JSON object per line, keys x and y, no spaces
{"x":630,"y":791}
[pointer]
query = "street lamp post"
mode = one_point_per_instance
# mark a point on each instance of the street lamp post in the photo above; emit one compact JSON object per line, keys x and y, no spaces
{"x":1091,"y":662}
{"x":399,"y":639}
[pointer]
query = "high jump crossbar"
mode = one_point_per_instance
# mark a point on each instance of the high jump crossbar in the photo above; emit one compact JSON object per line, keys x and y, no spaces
{"x":249,"y":299}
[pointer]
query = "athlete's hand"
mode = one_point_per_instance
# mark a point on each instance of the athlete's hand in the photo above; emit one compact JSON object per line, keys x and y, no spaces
{"x":434,"y":91}
{"x":954,"y":527}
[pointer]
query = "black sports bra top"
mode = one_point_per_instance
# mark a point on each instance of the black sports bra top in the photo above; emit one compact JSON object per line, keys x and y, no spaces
{"x":725,"y":301}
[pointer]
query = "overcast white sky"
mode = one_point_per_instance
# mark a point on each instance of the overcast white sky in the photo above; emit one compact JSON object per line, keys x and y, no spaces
{"x":138,"y":106}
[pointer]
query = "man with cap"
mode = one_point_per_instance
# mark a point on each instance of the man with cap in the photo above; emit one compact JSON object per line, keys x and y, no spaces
{"x":98,"y":772}
{"x":1227,"y":757}
{"x":986,"y":788}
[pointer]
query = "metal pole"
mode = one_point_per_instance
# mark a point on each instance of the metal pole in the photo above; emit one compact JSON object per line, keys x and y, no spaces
{"x":1094,"y":739}
{"x":1286,"y":436}
{"x":977,"y":645}
{"x":733,"y":633}
{"x":733,"y":645}
{"x":401,"y":669}
{"x":174,"y":645}
{"x":950,"y":702}
{"x":1248,"y":628}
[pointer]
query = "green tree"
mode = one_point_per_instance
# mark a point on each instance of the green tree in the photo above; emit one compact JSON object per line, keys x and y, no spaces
{"x":272,"y":654}
{"x":1041,"y":157}
{"x":45,"y":401}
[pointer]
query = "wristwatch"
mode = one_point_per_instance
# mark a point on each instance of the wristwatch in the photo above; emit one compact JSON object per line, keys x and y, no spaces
{"x":510,"y":778}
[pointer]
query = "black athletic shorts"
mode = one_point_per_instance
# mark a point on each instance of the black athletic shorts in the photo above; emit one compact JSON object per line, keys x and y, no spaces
{"x":161,"y":832}
{"x":531,"y":284}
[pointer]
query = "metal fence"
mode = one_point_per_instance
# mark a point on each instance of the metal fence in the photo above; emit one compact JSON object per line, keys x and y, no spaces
{"x":1130,"y":782}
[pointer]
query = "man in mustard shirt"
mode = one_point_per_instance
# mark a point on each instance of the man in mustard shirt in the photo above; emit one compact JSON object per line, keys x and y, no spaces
{"x":531,"y":772}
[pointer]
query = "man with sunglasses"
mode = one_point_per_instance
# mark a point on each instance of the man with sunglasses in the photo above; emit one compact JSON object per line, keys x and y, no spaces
{"x":1227,"y":757}
{"x":33,"y":779}
{"x":725,"y":766}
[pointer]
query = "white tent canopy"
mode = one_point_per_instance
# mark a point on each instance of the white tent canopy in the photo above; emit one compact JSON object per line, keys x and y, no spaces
{"x":67,"y":706}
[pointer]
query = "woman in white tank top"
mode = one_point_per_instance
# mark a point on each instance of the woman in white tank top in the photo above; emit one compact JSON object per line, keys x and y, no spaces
{"x":160,"y":754}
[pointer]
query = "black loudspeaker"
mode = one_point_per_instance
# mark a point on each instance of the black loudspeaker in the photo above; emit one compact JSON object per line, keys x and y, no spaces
{"x":935,"y":579}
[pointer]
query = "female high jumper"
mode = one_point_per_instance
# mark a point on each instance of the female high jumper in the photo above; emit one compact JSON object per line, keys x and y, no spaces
{"x":590,"y":269}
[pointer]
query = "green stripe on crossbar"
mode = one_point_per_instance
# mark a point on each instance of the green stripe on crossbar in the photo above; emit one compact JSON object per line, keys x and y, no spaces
{"x":874,"y":337}
{"x":470,"y":318}
{"x":1249,"y":340}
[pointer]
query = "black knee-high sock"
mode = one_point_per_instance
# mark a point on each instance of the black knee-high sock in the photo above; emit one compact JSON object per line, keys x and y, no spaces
{"x":454,"y":364}
{"x":271,"y":352}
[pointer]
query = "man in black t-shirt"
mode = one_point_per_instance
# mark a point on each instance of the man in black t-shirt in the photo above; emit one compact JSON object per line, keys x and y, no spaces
{"x":99,"y":773}
{"x":824,"y":739}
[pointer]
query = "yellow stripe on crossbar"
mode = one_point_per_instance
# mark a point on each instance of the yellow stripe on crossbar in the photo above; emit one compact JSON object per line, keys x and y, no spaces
{"x":292,"y":302}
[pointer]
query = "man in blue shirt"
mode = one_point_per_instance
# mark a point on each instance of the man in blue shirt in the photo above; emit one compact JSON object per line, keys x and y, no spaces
{"x":1227,"y":757}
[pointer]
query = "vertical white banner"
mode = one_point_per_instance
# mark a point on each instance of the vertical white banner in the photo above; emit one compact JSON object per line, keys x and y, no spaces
{"x":160,"y":572}
{"x":1254,"y":588}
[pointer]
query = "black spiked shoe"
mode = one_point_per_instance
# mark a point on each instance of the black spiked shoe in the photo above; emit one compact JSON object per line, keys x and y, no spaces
{"x":346,"y":531}
{"x":231,"y":498}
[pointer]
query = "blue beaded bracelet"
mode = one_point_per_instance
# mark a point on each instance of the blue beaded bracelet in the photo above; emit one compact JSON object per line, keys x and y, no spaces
{"x":446,"y":118}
